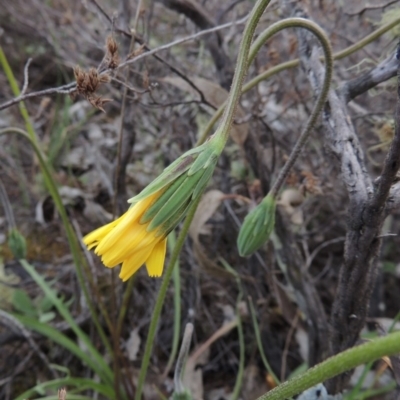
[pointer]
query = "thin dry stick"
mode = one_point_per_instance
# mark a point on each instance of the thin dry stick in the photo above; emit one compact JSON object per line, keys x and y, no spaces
{"x":184,"y":40}
{"x":372,"y":7}
{"x":71,"y":87}
{"x":123,"y":107}
{"x":287,"y":344}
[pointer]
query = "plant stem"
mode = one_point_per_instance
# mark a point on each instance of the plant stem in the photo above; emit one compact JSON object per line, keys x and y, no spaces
{"x":161,"y":297}
{"x":320,"y":34}
{"x":347,"y":360}
{"x":51,"y":186}
{"x":220,"y":137}
{"x":259,"y":342}
{"x":222,"y":133}
{"x":292,"y":64}
{"x":15,"y":89}
{"x":177,"y":307}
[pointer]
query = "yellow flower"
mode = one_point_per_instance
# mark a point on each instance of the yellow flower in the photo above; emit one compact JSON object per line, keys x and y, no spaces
{"x":139,"y":236}
{"x":127,"y":241}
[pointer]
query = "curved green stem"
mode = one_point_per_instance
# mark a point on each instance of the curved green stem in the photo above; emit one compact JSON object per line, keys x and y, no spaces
{"x":292,"y":64}
{"x":222,"y":133}
{"x":320,"y":34}
{"x":161,"y":297}
{"x":69,"y":231}
{"x":220,"y":137}
{"x":347,"y":360}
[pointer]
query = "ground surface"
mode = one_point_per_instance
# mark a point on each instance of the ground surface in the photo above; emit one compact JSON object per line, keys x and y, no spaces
{"x":161,"y":118}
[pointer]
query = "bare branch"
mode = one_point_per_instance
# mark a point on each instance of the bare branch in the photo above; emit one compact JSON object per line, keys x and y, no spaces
{"x":387,"y":69}
{"x":366,"y":210}
{"x":71,"y":87}
{"x":184,"y":40}
{"x":65,"y":89}
{"x":372,"y":7}
{"x":393,"y":200}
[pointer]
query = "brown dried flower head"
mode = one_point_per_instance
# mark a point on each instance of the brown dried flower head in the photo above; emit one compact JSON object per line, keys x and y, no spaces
{"x":88,"y":82}
{"x":112,"y":59}
{"x":98,"y":102}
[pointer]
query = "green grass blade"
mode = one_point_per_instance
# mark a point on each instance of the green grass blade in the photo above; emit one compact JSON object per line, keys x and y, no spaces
{"x":259,"y":342}
{"x":59,"y":338}
{"x":80,"y":384}
{"x":100,"y":364}
{"x":46,"y":170}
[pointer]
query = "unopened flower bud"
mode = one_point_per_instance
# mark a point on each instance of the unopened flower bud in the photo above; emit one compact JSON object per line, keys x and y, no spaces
{"x":257,"y":227}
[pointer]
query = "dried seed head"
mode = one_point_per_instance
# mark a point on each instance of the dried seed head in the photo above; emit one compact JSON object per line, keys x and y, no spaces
{"x":80,"y":78}
{"x":111,"y":58}
{"x":88,"y":82}
{"x":98,"y":102}
{"x":92,"y":80}
{"x":111,"y":45}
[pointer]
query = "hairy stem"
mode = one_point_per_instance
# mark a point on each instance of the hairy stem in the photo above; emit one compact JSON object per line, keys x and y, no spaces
{"x":220,"y":139}
{"x":320,"y":34}
{"x":349,"y":359}
{"x":292,"y":64}
{"x":161,"y":297}
{"x":222,"y":133}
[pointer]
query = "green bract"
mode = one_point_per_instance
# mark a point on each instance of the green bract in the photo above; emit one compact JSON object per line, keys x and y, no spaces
{"x":200,"y":158}
{"x":180,"y":183}
{"x":257,"y":227}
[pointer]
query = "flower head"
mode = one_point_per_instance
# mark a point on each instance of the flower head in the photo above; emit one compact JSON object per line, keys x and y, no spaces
{"x":257,"y":227}
{"x":139,"y":236}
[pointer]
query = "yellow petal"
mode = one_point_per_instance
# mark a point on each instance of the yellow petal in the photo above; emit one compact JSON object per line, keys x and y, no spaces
{"x":128,"y":243}
{"x":155,"y":262}
{"x":94,"y":237}
{"x":134,"y":262}
{"x":127,"y":226}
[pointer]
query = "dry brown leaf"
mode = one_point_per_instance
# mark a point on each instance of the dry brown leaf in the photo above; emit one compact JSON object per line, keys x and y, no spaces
{"x":290,"y":201}
{"x":207,"y":207}
{"x":215,"y":95}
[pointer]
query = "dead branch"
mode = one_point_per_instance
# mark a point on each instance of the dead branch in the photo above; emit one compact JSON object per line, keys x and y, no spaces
{"x":366,"y":210}
{"x":71,"y":87}
{"x":195,"y":12}
{"x":386,"y":70}
{"x":64,"y":89}
{"x":372,"y":7}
